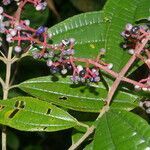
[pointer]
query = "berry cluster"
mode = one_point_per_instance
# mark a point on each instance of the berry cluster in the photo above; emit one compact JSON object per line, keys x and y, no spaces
{"x":133,"y":35}
{"x":145,"y":105}
{"x":61,"y":59}
{"x":38,"y":4}
{"x":19,"y":32}
{"x":134,"y":38}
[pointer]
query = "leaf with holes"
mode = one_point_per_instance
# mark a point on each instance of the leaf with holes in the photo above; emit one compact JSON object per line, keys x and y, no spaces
{"x":77,"y":97}
{"x":30,"y":114}
{"x":122,"y":130}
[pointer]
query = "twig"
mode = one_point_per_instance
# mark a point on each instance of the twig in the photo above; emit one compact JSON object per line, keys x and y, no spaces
{"x":85,"y":136}
{"x":139,"y":48}
{"x":5,"y":91}
{"x":120,"y":77}
{"x":2,"y":82}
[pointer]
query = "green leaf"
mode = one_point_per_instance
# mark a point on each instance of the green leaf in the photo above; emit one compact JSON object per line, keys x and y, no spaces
{"x":143,"y":10}
{"x":30,"y":114}
{"x":77,"y":97}
{"x":86,"y":28}
{"x":76,"y":136}
{"x":122,"y":130}
{"x":119,"y":13}
{"x":89,"y":146}
{"x":99,"y":29}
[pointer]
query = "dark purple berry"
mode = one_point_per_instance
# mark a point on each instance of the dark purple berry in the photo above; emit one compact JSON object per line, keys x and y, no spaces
{"x":41,"y":38}
{"x":135,"y":29}
{"x":68,"y":66}
{"x":75,"y":79}
{"x":54,"y":69}
{"x":40,"y":30}
{"x":95,"y":79}
{"x":82,"y":73}
{"x":91,"y":79}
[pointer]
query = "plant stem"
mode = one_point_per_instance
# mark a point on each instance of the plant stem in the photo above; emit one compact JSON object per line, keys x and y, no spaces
{"x":5,"y":92}
{"x":4,"y":138}
{"x":119,"y":77}
{"x":86,"y":135}
{"x":138,"y":48}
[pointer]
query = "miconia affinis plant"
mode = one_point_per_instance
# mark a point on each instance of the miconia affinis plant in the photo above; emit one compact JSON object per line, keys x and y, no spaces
{"x":92,"y":59}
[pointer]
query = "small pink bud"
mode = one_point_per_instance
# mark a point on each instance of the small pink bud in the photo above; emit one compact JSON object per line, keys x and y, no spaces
{"x":1,"y":10}
{"x":9,"y":38}
{"x":137,"y":87}
{"x":79,"y":68}
{"x":49,"y":62}
{"x":64,"y":71}
{"x":128,"y":27}
{"x":145,"y":89}
{"x":39,"y":7}
{"x":110,"y":66}
{"x":13,"y":32}
{"x":1,"y":18}
{"x":102,"y":50}
{"x":131,"y":51}
{"x":27,"y":22}
{"x":72,"y":40}
{"x":17,"y":49}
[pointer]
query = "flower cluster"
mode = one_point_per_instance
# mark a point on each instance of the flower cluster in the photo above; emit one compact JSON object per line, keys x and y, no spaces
{"x":135,"y":39}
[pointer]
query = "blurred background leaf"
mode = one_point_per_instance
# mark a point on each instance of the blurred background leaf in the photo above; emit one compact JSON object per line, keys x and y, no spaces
{"x":88,"y":5}
{"x":37,"y":18}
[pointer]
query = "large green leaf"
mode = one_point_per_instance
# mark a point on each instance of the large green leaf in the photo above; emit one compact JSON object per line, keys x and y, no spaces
{"x":76,"y":136}
{"x":100,"y":29}
{"x":89,"y":146}
{"x":119,"y":13}
{"x":30,"y":114}
{"x":87,"y":29}
{"x":121,"y":130}
{"x":83,"y":98}
{"x":143,"y":10}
